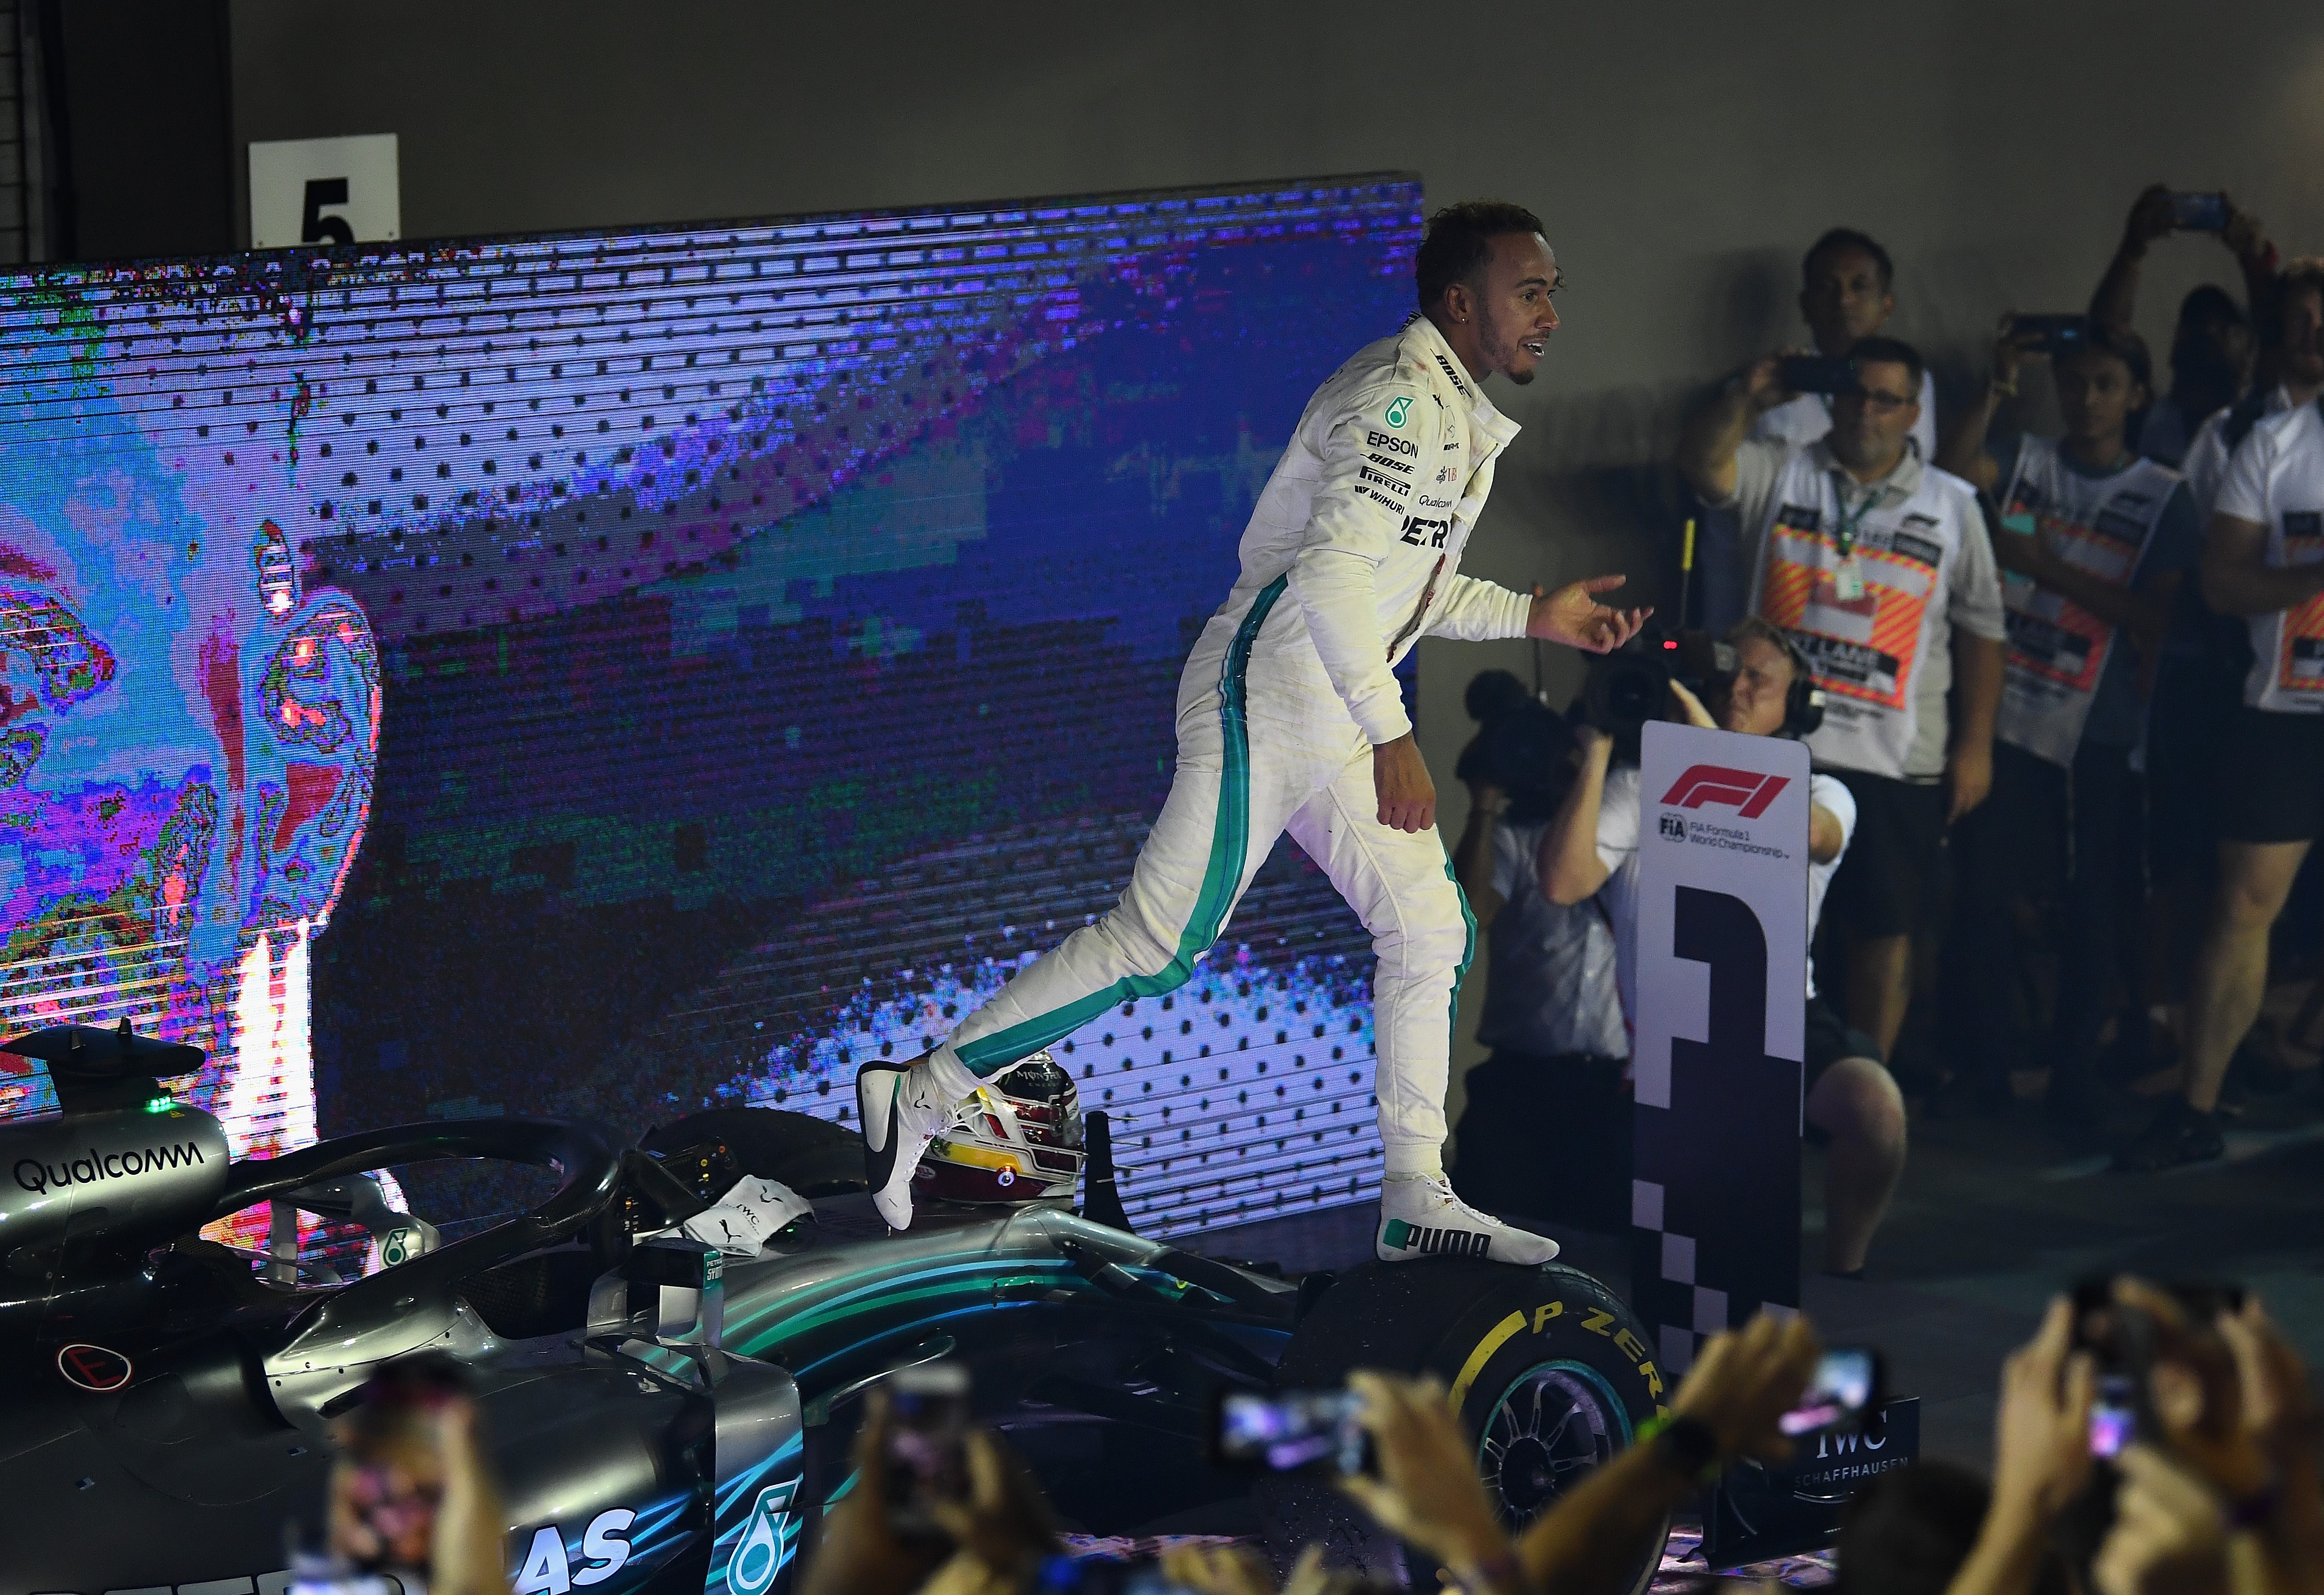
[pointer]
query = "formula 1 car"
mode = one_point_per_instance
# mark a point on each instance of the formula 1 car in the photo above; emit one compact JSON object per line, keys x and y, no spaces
{"x":663,"y":1417}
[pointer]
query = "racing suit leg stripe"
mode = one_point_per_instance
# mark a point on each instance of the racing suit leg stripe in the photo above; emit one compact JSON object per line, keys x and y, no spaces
{"x":1222,"y":878}
{"x":1468,"y":956}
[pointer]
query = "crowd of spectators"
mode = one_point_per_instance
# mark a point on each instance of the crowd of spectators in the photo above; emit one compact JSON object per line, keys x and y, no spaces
{"x":2215,"y":1491}
{"x":2070,"y":746}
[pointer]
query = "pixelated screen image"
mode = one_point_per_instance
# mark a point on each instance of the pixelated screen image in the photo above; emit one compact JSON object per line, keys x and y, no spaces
{"x":622,"y":673}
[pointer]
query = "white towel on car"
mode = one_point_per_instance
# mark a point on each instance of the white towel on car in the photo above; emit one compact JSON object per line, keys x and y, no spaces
{"x":749,"y":1215}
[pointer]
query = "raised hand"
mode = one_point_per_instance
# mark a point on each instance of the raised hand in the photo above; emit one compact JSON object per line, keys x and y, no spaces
{"x":1574,"y":616}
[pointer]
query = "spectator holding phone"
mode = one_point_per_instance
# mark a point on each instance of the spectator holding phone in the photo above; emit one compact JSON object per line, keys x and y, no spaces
{"x":2211,"y":346}
{"x":2040,"y":1457}
{"x":411,"y":1494}
{"x":990,"y":1539}
{"x":2094,"y":542}
{"x":2225,"y":371}
{"x":1847,"y":294}
{"x":1727,"y":1406}
{"x":2219,"y":1489}
{"x":1590,"y":849}
{"x":1878,"y":568}
{"x":2263,"y":559}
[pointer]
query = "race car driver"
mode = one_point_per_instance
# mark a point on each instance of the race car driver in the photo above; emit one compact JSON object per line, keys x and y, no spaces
{"x":1289,"y":718}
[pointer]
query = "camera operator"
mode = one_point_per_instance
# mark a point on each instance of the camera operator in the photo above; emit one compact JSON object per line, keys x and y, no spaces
{"x":1878,"y":567}
{"x":1590,"y":848}
{"x":1847,"y":294}
{"x":2263,"y":559}
{"x":1551,"y":1014}
{"x":2096,"y":543}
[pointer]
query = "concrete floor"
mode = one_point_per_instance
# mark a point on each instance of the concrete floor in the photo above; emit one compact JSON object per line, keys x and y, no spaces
{"x":1993,"y":1219}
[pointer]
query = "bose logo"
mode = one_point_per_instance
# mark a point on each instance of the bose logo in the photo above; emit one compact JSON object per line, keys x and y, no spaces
{"x":1744,"y":790}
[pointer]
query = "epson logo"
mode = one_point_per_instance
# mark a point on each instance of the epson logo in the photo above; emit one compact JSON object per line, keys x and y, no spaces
{"x":1404,"y":446}
{"x":37,"y":1176}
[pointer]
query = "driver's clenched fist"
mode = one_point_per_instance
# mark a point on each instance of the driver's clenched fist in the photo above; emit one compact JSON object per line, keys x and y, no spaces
{"x":1407,"y":798}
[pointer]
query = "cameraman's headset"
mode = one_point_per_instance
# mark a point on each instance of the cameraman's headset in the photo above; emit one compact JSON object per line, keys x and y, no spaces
{"x":1804,"y":699}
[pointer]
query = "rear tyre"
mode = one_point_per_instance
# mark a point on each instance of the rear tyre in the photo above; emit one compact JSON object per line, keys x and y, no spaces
{"x":1550,"y":1375}
{"x":813,"y":1156}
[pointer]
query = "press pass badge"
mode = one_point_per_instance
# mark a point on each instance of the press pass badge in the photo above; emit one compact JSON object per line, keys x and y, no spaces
{"x":1848,"y":581}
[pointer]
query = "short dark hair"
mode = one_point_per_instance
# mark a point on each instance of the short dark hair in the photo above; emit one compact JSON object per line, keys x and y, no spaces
{"x":1849,"y":238}
{"x":1889,"y":351}
{"x":1492,"y":692}
{"x":1460,"y":240}
{"x":2126,"y":347}
{"x":2208,"y":301}
{"x":2303,"y":274}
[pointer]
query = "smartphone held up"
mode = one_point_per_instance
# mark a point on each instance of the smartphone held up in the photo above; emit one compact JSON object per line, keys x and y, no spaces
{"x":2123,"y":1340}
{"x":1849,"y":1381}
{"x":927,"y":1447}
{"x":1816,"y":373}
{"x":2198,"y":213}
{"x":1291,"y":1431}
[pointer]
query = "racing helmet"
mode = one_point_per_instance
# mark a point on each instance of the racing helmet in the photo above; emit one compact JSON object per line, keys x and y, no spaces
{"x":1018,"y":1139}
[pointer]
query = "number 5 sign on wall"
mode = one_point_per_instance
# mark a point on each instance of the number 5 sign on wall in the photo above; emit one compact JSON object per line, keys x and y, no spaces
{"x":324,"y":190}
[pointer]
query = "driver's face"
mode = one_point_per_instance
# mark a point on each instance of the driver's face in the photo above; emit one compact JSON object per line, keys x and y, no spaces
{"x":1515,"y":315}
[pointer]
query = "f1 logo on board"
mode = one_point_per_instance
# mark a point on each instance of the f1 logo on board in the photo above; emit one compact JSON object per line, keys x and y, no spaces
{"x":1746,"y":791}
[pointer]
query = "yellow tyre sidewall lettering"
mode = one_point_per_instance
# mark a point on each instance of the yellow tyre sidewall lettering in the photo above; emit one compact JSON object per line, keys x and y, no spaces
{"x":1596,"y":1320}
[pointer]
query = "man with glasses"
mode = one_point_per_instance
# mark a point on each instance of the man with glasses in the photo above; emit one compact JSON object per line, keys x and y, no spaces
{"x":1879,"y":568}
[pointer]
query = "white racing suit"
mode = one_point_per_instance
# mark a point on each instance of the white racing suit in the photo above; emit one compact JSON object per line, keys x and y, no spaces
{"x":1352,"y":555}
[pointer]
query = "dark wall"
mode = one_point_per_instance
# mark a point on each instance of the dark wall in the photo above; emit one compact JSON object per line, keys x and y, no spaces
{"x":1682,"y":153}
{"x":147,"y":126}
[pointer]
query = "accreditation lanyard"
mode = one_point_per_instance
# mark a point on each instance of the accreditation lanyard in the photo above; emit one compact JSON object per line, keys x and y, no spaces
{"x":1848,"y":581}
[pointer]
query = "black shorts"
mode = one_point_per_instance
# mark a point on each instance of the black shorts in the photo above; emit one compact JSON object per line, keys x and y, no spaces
{"x":1827,"y":1039}
{"x":2272,"y":778}
{"x":1888,"y":879}
{"x":2195,"y":705}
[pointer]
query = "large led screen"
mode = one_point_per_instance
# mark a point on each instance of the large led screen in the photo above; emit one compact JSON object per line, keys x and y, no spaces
{"x":618,"y":673}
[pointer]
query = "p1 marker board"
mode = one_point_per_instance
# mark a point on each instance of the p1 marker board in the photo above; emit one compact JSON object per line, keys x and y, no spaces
{"x":1721,"y":986}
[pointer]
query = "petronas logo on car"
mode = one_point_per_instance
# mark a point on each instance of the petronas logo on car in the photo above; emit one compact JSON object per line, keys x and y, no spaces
{"x":768,"y":1538}
{"x":1399,"y":1236}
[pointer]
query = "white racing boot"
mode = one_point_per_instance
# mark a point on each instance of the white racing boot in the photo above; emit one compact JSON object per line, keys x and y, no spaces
{"x":1420,"y":1217}
{"x":901,"y":1116}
